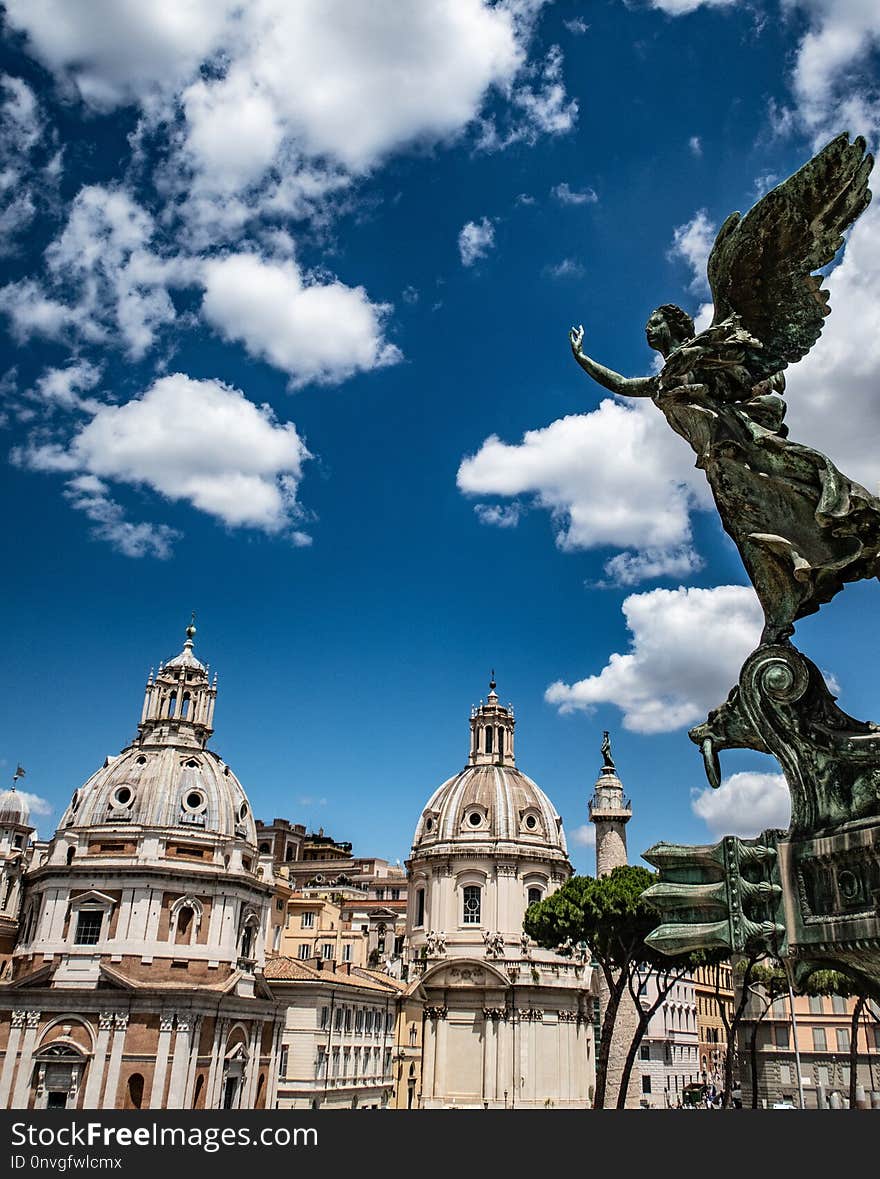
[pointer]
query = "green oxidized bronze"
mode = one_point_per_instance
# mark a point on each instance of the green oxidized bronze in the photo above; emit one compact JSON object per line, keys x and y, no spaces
{"x":803,"y":530}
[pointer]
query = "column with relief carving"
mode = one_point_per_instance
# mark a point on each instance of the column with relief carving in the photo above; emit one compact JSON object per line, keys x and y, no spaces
{"x":15,"y":1030}
{"x":92,"y":1095}
{"x":25,"y":1064}
{"x":166,"y":1027}
{"x":120,"y":1028}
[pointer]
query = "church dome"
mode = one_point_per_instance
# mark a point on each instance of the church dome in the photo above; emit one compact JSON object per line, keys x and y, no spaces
{"x":164,"y":786}
{"x":13,"y":808}
{"x":168,"y":777}
{"x":490,"y":802}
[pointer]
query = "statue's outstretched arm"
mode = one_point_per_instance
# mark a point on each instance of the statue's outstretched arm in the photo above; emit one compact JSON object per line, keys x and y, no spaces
{"x":608,"y":378}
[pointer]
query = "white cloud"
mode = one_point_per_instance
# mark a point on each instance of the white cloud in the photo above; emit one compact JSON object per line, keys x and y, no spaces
{"x":696,"y":145}
{"x":683,"y":7}
{"x":63,"y":387}
{"x":107,"y":284}
{"x":567,"y":268}
{"x":566,"y":195}
{"x":832,"y":392}
{"x":35,"y":804}
{"x":633,"y":568}
{"x":499,"y":515}
{"x":89,"y":495}
{"x":475,"y":240}
{"x":198,"y":441}
{"x":744,"y":804}
{"x":577,"y":26}
{"x":583,"y":836}
{"x":617,"y":476}
{"x":833,"y":80}
{"x":21,"y":130}
{"x":692,"y":243}
{"x":685,"y":653}
{"x":320,"y":331}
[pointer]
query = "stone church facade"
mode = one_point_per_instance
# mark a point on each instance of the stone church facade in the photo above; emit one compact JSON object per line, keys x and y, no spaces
{"x":135,"y":954}
{"x":507,"y":1024}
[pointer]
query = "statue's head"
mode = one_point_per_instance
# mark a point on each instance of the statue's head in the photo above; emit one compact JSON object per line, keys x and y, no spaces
{"x":668,"y":327}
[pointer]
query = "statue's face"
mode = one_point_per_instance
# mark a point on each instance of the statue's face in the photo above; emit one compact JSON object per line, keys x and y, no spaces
{"x":657,"y":332}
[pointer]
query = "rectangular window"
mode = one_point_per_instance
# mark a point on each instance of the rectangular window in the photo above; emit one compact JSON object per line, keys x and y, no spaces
{"x":335,"y":1062}
{"x":359,"y":1021}
{"x":471,"y":905}
{"x":784,"y":1075}
{"x":337,"y":1020}
{"x":348,"y":1019}
{"x":819,"y":1043}
{"x":816,"y":1004}
{"x":320,"y":1063}
{"x":346,"y":952}
{"x":380,"y":894}
{"x":646,"y":1084}
{"x":645,"y":1052}
{"x":781,"y":1035}
{"x":843,"y":1039}
{"x":304,"y":951}
{"x":876,"y":1030}
{"x":368,"y":1022}
{"x":420,"y":907}
{"x":823,"y":1072}
{"x":838,"y":1004}
{"x":282,"y":1062}
{"x":308,"y":921}
{"x":88,"y":927}
{"x":327,"y":951}
{"x":395,"y":894}
{"x":325,"y":1017}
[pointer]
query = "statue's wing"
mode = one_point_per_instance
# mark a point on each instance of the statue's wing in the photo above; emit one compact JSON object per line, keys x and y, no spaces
{"x":762,"y":265}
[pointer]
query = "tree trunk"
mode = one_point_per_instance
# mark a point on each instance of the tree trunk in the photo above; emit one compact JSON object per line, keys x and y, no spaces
{"x":753,"y":1062}
{"x":732,"y":1027}
{"x":854,"y":1049}
{"x":615,"y":990}
{"x":645,"y":1016}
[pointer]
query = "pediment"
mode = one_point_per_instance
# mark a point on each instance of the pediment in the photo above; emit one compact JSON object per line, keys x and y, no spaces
{"x":465,"y":972}
{"x":92,"y":897}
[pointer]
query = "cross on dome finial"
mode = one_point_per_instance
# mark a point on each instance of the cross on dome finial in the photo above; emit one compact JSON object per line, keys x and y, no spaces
{"x":191,"y":629}
{"x":492,"y":684}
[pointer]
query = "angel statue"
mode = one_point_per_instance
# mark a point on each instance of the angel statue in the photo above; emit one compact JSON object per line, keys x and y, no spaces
{"x":802,"y":528}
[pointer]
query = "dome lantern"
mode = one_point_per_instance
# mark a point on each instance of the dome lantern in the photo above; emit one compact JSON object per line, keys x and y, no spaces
{"x":179,"y":700}
{"x":492,"y":726}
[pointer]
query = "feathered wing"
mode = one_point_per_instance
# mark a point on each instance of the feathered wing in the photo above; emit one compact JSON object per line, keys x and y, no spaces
{"x":761,"y":266}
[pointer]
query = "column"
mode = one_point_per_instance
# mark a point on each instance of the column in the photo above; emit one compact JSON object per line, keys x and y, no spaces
{"x":215,"y":1073}
{"x":253,"y":1071}
{"x":120,"y":1020}
{"x":193,"y":1063}
{"x":25,"y":1064}
{"x":272,"y":1091}
{"x":92,"y":1095}
{"x":429,"y":1049}
{"x":166,"y":1024}
{"x":180,"y":1063}
{"x":18,"y":1019}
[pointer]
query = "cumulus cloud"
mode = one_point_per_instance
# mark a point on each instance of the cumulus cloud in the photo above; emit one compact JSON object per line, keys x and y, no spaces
{"x":683,"y":7}
{"x":321,"y":331}
{"x":583,"y":836}
{"x":107,"y":284}
{"x":832,"y":392}
{"x":202,"y":442}
{"x":692,"y":243}
{"x":499,"y":515}
{"x":640,"y":501}
{"x":634,"y":568}
{"x":475,"y":240}
{"x":566,"y":195}
{"x":685,"y":653}
{"x":744,"y":804}
{"x":35,"y":804}
{"x":89,"y":495}
{"x":22,"y":188}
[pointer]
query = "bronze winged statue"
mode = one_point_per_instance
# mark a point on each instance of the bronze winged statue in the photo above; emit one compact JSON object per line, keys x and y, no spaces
{"x":803,"y":529}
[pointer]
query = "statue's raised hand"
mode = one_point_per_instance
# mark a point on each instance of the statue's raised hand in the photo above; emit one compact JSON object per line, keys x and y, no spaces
{"x":576,"y":337}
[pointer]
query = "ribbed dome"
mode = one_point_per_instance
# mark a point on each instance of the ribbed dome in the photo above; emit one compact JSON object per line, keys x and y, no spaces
{"x":164,"y":786}
{"x":13,"y":808}
{"x":490,"y":802}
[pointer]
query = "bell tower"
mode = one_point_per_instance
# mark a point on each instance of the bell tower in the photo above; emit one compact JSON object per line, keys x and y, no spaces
{"x":492,"y":726}
{"x":179,"y":701}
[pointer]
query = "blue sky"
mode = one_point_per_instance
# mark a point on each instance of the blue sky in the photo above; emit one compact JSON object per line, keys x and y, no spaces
{"x":285,"y":304}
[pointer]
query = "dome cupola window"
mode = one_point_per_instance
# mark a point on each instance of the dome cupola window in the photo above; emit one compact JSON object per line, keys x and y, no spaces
{"x":530,"y":822}
{"x":471,"y":898}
